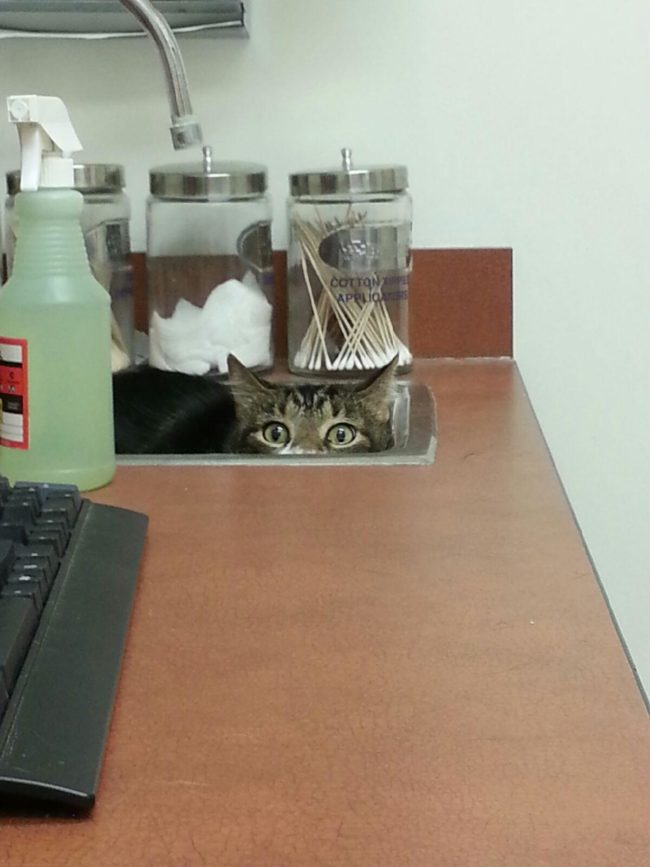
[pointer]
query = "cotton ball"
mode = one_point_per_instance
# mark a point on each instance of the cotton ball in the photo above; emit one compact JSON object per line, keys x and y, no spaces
{"x":186,"y":347}
{"x":219,"y":356}
{"x":260,"y":309}
{"x":196,"y":366}
{"x":186,"y":312}
{"x":236,"y":318}
{"x":221,"y":313}
{"x":184,"y":320}
{"x":231,"y":309}
{"x":255,"y":349}
{"x":180,"y":336}
{"x":156,"y":355}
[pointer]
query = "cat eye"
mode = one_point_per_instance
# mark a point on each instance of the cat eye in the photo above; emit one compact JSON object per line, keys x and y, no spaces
{"x":341,"y":434}
{"x":276,"y":433}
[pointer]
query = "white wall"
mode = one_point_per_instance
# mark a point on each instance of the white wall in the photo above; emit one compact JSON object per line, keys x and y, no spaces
{"x":524,"y":123}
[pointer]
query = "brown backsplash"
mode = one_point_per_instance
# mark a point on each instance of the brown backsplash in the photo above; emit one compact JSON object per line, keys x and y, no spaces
{"x":460,"y":302}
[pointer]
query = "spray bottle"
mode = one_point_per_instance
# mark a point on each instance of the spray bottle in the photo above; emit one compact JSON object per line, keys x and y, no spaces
{"x":56,"y":418}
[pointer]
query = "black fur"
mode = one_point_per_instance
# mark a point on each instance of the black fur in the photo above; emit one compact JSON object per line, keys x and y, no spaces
{"x":163,"y":412}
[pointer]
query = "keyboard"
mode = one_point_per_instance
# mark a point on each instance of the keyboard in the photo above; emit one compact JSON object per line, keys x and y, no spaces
{"x":68,"y":571}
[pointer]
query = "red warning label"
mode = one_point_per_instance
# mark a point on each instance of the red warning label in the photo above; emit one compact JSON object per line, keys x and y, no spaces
{"x":14,"y":417}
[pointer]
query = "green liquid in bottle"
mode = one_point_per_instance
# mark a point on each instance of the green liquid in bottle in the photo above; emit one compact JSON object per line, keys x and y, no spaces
{"x":53,"y":303}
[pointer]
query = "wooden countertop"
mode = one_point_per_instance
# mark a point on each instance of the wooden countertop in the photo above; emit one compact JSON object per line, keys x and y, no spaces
{"x":368,"y":666}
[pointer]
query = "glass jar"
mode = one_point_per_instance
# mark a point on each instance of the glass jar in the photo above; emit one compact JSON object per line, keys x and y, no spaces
{"x":105,"y":225}
{"x":209,"y":266}
{"x":349,"y":263}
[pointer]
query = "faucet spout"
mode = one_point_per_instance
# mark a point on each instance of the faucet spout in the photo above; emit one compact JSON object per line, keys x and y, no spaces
{"x":185,"y":129}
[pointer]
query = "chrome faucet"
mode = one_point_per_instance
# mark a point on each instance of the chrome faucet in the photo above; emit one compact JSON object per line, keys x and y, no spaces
{"x":185,"y":129}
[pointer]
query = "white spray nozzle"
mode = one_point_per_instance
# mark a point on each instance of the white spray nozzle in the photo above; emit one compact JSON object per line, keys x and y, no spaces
{"x":47,"y":141}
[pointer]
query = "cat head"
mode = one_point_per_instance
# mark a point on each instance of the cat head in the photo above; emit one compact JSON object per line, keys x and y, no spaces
{"x":300,"y":418}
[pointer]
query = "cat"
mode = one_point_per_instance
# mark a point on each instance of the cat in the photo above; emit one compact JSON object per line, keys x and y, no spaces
{"x":165,"y":412}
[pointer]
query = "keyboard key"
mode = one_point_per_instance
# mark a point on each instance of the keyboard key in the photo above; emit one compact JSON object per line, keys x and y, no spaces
{"x":43,"y":536}
{"x":44,"y":555}
{"x":52,"y":490}
{"x":31,"y":490}
{"x":32,"y":494}
{"x":48,"y":523}
{"x":70,"y":492}
{"x":57,"y":526}
{"x":21,"y":578}
{"x":25,"y":590}
{"x":18,"y":619}
{"x":27,"y":488}
{"x":33,"y":571}
{"x":62,"y":509}
{"x":13,"y":532}
{"x":7,"y":558}
{"x":20,"y":511}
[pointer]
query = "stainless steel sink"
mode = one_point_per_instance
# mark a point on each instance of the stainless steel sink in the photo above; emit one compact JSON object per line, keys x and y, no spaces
{"x":414,"y":426}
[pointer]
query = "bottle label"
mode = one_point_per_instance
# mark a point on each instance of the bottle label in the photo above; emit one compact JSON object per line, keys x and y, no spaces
{"x":14,"y":418}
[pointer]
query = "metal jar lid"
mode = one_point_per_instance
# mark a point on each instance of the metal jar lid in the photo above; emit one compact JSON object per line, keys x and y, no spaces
{"x":349,"y":179}
{"x":88,"y":178}
{"x":208,"y":180}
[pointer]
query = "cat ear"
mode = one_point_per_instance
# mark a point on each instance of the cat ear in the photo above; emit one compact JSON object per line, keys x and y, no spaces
{"x":245,"y":385}
{"x":378,"y":391}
